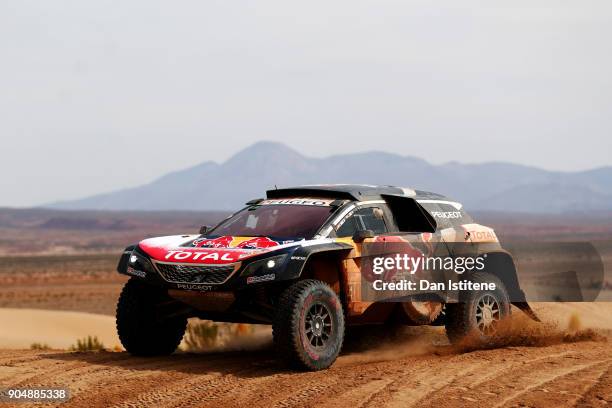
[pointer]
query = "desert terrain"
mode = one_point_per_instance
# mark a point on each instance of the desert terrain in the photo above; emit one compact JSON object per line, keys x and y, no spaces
{"x":64,"y":288}
{"x":414,"y":369}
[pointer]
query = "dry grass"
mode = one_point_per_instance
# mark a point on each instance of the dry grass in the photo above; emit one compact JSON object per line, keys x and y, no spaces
{"x":203,"y":335}
{"x":39,"y":346}
{"x":89,"y":343}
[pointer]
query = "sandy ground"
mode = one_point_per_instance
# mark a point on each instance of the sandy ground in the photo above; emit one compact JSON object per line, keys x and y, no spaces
{"x":56,"y":329}
{"x":559,"y":375}
{"x":99,"y":298}
{"x":541,"y":365}
{"x":596,"y":315}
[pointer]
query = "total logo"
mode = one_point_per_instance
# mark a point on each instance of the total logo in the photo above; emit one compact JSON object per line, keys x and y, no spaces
{"x":483,"y":235}
{"x":200,"y":256}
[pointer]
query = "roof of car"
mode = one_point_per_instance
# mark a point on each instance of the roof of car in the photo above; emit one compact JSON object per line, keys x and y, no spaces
{"x":359,"y":192}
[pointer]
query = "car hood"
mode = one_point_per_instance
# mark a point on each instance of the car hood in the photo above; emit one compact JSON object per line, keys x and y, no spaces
{"x":202,"y":250}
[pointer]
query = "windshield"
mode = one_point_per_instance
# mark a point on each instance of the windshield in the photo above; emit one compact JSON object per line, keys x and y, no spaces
{"x":277,"y":220}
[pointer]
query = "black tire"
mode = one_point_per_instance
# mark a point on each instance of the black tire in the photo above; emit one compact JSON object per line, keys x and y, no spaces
{"x":140,"y":330}
{"x":470,"y":317}
{"x":308,"y":326}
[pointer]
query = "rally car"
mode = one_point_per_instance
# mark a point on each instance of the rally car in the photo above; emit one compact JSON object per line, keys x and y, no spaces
{"x":298,"y":260}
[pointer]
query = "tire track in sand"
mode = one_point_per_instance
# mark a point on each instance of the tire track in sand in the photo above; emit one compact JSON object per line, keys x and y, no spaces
{"x":553,"y":376}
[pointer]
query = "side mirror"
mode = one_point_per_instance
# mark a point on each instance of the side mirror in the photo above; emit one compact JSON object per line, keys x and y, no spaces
{"x":362,"y":235}
{"x":204,"y":229}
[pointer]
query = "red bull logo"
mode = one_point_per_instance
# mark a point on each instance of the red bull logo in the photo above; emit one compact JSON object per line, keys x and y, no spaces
{"x":235,"y":242}
{"x":220,"y":242}
{"x":258,"y":242}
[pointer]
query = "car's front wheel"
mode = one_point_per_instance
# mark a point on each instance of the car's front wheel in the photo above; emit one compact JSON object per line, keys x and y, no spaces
{"x":308,"y":327}
{"x":142,"y":329}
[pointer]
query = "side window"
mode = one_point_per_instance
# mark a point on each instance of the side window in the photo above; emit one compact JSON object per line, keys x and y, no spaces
{"x":348,"y":228}
{"x":371,"y":218}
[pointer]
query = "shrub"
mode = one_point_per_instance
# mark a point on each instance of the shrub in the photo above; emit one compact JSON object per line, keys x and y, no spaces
{"x":39,"y":346}
{"x":88,"y":343}
{"x":202,"y":335}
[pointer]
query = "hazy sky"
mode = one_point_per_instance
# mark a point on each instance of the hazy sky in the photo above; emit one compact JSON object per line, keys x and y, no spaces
{"x":101,"y":95}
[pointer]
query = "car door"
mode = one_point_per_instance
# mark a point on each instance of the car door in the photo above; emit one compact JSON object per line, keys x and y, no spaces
{"x":373,"y":217}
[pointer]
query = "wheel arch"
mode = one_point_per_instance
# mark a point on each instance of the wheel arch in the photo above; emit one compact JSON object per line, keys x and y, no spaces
{"x":500,"y":263}
{"x":301,"y":259}
{"x":326,"y":266}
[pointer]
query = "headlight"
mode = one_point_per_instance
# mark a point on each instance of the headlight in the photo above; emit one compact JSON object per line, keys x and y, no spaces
{"x":264,"y":266}
{"x":139,"y":263}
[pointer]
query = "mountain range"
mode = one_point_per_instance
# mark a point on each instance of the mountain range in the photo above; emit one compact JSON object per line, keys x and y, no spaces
{"x":493,"y":186}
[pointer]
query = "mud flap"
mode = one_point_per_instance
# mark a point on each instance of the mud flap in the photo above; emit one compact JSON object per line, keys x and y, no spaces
{"x":524,"y":306}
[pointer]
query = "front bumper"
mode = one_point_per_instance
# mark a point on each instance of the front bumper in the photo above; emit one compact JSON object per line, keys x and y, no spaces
{"x":266,"y":268}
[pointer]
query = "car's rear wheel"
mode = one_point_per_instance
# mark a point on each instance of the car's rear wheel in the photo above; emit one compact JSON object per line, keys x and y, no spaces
{"x":142,"y":329}
{"x":308,"y":327}
{"x":479,"y":312}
